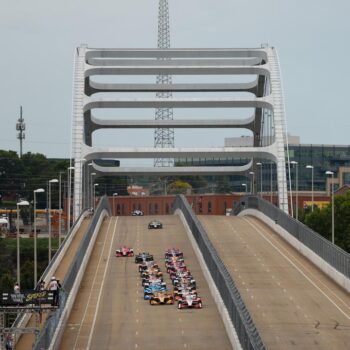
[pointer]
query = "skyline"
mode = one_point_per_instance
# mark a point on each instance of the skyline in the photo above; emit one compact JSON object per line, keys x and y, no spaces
{"x":39,"y":42}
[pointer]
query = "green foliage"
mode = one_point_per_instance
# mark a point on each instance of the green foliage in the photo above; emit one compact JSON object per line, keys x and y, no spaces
{"x":8,"y":260}
{"x":178,"y":187}
{"x":321,"y":221}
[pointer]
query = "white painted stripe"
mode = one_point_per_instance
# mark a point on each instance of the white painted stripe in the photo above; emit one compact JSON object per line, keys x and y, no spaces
{"x":102,"y":284}
{"x":297,"y":268}
{"x":92,"y":284}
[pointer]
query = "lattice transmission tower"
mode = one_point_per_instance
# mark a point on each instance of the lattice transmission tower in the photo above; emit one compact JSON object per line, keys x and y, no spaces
{"x":163,"y":137}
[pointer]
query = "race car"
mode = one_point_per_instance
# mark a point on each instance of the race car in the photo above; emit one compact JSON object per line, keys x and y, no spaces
{"x":142,"y":257}
{"x":190,"y":281}
{"x":178,"y":267}
{"x":181,"y":291}
{"x":137,"y":212}
{"x":161,"y":298}
{"x":151,"y":272}
{"x":173,"y":252}
{"x":190,"y":301}
{"x":124,"y":251}
{"x":155,"y":224}
{"x":153,"y":280}
{"x":148,"y":291}
{"x":147,"y":280}
{"x":148,"y":266}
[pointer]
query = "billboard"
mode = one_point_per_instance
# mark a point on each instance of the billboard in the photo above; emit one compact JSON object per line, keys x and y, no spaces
{"x":26,"y":298}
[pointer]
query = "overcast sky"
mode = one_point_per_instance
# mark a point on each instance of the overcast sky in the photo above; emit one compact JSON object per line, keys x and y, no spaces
{"x":38,"y":39}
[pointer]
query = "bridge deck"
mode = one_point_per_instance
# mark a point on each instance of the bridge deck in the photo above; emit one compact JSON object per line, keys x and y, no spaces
{"x":26,"y":340}
{"x":293,"y":304}
{"x":110,"y":313}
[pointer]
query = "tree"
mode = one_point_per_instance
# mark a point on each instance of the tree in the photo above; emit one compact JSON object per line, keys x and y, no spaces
{"x":178,"y":187}
{"x":320,"y":220}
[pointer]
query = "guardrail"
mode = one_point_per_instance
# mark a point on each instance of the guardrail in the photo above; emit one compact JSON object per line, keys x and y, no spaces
{"x":332,"y":254}
{"x":47,"y":334}
{"x":246,"y":330}
{"x":23,"y":319}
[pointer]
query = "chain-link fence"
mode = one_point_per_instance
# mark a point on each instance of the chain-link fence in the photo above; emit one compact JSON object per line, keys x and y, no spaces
{"x":47,"y":333}
{"x":329,"y":252}
{"x":246,"y":330}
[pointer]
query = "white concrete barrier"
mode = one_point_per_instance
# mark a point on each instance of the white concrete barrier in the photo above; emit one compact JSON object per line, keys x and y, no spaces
{"x":56,"y":339}
{"x":230,"y":329}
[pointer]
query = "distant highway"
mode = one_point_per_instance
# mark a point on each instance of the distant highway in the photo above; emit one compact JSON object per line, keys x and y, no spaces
{"x":293,"y":304}
{"x":110,"y":312}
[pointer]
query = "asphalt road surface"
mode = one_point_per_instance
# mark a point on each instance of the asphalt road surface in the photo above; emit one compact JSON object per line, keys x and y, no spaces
{"x":293,"y":304}
{"x":110,"y":312}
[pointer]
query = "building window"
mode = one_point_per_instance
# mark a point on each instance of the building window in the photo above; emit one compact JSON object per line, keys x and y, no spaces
{"x":209,"y":207}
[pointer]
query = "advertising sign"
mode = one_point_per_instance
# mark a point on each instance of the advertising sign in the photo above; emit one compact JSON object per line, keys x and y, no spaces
{"x":26,"y":298}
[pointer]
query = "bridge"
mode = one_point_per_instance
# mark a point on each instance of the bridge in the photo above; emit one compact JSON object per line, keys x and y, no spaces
{"x":266,"y":281}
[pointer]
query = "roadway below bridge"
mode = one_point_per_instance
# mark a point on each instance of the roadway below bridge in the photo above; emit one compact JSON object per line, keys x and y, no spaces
{"x":110,"y":312}
{"x":293,"y":304}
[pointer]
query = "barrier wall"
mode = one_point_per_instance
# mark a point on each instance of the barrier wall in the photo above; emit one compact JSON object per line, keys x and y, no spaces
{"x":49,"y":337}
{"x":246,"y":330}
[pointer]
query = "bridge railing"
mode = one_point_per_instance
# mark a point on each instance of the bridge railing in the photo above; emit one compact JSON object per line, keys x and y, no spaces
{"x":22,"y":318}
{"x":246,"y":330}
{"x":332,"y":254}
{"x":47,"y":334}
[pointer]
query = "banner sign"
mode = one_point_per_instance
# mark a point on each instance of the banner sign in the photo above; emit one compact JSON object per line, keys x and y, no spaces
{"x":26,"y":298}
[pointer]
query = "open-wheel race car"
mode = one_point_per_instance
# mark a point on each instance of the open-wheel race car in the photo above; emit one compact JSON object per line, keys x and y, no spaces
{"x":189,"y":301}
{"x":151,"y":279}
{"x":148,"y":266}
{"x":124,"y":251}
{"x":155,"y":224}
{"x":173,"y":252}
{"x":161,"y":298}
{"x":181,"y":291}
{"x":149,"y":290}
{"x":137,"y":212}
{"x":143,"y":257}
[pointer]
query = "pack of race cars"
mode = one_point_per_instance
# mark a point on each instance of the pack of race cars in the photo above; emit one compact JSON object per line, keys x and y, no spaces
{"x":154,"y":287}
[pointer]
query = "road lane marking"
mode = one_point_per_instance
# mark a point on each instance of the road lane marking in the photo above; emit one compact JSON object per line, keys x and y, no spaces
{"x":258,"y":230}
{"x":93,"y":282}
{"x":101,"y":288}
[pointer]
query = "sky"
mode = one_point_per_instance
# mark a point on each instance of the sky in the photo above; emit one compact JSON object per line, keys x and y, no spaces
{"x":38,"y":40}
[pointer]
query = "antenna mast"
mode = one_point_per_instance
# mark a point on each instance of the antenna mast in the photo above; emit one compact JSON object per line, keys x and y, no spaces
{"x":163,"y":137}
{"x":20,"y":126}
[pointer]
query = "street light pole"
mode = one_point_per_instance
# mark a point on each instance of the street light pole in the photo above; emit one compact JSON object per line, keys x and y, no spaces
{"x":91,"y":190}
{"x":60,"y":209}
{"x":261,"y":182}
{"x":312,"y":185}
{"x":114,"y":195}
{"x":50,"y":182}
{"x":296,"y":189}
{"x":252,"y":182}
{"x":69,"y":196}
{"x":18,"y":243}
{"x":39,"y":190}
{"x":332,"y":174}
{"x":95,"y":196}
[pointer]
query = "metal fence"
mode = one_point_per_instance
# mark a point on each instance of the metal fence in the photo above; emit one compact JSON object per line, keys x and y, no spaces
{"x":243,"y":323}
{"x":329,"y":252}
{"x":47,"y":333}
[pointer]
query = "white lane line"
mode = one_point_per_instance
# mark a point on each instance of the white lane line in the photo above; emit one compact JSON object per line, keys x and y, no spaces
{"x":258,"y":230}
{"x":136,"y":333}
{"x":101,"y":288}
{"x":136,"y":346}
{"x":137,"y":320}
{"x":93,"y":282}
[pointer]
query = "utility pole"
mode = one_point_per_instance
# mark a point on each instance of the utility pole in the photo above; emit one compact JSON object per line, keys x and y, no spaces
{"x":20,"y":126}
{"x":164,"y":137}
